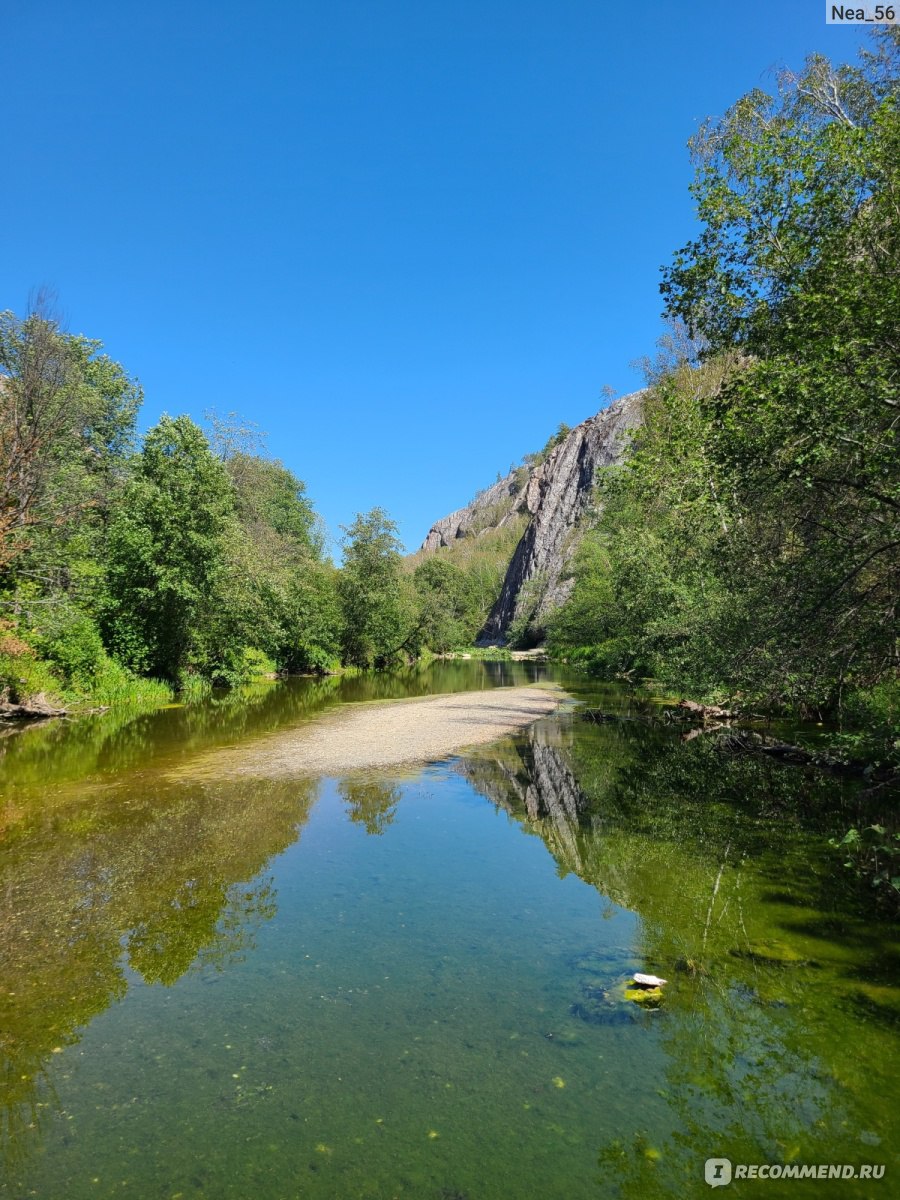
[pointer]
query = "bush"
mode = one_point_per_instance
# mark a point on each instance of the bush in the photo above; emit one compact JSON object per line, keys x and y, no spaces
{"x":71,"y":641}
{"x":191,"y":687}
{"x":871,"y":724}
{"x":315,"y":660}
{"x":114,"y":684}
{"x":257,"y":664}
{"x":23,"y":676}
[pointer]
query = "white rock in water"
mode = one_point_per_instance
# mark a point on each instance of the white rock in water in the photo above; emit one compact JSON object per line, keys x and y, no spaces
{"x":649,"y":980}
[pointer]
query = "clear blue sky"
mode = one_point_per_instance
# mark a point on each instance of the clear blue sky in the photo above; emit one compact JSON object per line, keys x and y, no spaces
{"x":408,"y":238}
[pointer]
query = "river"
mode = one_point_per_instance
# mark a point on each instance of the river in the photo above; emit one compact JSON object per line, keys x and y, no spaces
{"x":412,"y":984}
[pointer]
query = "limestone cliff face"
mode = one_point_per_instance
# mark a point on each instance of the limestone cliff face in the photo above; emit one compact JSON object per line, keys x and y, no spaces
{"x":490,"y":509}
{"x":555,"y":495}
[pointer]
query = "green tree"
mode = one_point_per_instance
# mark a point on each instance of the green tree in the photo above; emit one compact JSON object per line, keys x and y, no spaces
{"x":449,"y":612}
{"x":378,"y":608}
{"x":269,"y":496}
{"x":276,"y":592}
{"x":167,"y":554}
{"x":649,"y":588}
{"x":67,"y":416}
{"x":798,"y":266}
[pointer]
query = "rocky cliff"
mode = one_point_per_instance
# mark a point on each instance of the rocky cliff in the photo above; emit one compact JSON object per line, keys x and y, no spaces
{"x":491,"y":509}
{"x":555,"y":495}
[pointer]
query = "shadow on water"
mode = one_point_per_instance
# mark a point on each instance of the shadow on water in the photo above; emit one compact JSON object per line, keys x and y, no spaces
{"x":464,"y":968}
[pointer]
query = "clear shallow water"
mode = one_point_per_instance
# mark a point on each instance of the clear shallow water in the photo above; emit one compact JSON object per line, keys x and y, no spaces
{"x":410,"y":986}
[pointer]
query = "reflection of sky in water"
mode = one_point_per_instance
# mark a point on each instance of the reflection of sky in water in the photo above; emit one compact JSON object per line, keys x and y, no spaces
{"x":420,"y":995}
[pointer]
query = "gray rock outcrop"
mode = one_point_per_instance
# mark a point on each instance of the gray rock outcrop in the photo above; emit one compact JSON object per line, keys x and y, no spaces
{"x":555,"y":495}
{"x":491,"y":509}
{"x":558,"y":494}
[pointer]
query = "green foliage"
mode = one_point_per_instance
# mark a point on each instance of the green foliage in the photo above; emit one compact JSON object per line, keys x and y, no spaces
{"x":534,"y":460}
{"x":482,"y":653}
{"x":257,"y":663}
{"x":316,"y":621}
{"x":872,"y":724}
{"x":270,"y":498}
{"x":378,"y":603}
{"x":449,"y":613}
{"x":873,"y":854}
{"x":199,"y":564}
{"x":526,"y":629}
{"x":193,"y":687}
{"x":166,"y":555}
{"x":482,"y":562}
{"x":67,"y":415}
{"x":275,"y":591}
{"x":23,"y":676}
{"x":64,"y":661}
{"x":749,"y":546}
{"x":782,"y":183}
{"x":647,"y":581}
{"x":71,"y":642}
{"x":111,"y":683}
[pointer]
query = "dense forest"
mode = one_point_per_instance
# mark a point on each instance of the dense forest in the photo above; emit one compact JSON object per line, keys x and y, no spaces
{"x":188,"y":561}
{"x":748,"y":547}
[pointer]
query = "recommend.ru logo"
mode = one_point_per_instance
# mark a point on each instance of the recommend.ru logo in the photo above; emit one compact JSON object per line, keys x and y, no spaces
{"x":719,"y":1171}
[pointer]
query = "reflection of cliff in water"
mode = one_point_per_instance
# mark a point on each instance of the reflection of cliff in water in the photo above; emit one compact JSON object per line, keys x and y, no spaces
{"x":741,"y":907}
{"x":154,"y":881}
{"x":532,"y":779}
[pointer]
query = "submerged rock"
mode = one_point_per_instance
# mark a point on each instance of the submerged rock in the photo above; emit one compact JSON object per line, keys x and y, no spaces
{"x":646,"y":996}
{"x":611,"y":993}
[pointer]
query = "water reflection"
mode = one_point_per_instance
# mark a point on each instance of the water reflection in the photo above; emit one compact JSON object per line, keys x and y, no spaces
{"x":370,"y":803}
{"x":106,"y":870}
{"x":782,"y":1016}
{"x":153,"y":882}
{"x":404,"y":954}
{"x":108,"y":745}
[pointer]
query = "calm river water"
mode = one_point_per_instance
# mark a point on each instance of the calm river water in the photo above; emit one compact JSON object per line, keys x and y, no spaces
{"x":411,"y":985}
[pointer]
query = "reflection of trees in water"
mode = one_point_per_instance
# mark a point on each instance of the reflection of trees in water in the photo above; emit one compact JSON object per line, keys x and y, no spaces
{"x":159,"y":879}
{"x":370,"y":803}
{"x":768,"y":1053}
{"x":121,"y":740}
{"x":208,"y":923}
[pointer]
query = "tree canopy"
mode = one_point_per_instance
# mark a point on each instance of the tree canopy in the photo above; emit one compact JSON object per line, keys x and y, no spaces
{"x":751,"y":543}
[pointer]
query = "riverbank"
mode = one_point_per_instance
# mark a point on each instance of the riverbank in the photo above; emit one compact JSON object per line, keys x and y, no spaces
{"x":374,"y":735}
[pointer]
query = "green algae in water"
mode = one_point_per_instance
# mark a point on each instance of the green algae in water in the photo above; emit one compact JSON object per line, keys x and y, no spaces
{"x":275,"y":989}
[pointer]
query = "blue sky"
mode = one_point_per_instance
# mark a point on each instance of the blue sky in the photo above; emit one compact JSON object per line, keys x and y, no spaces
{"x":406,"y":238}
